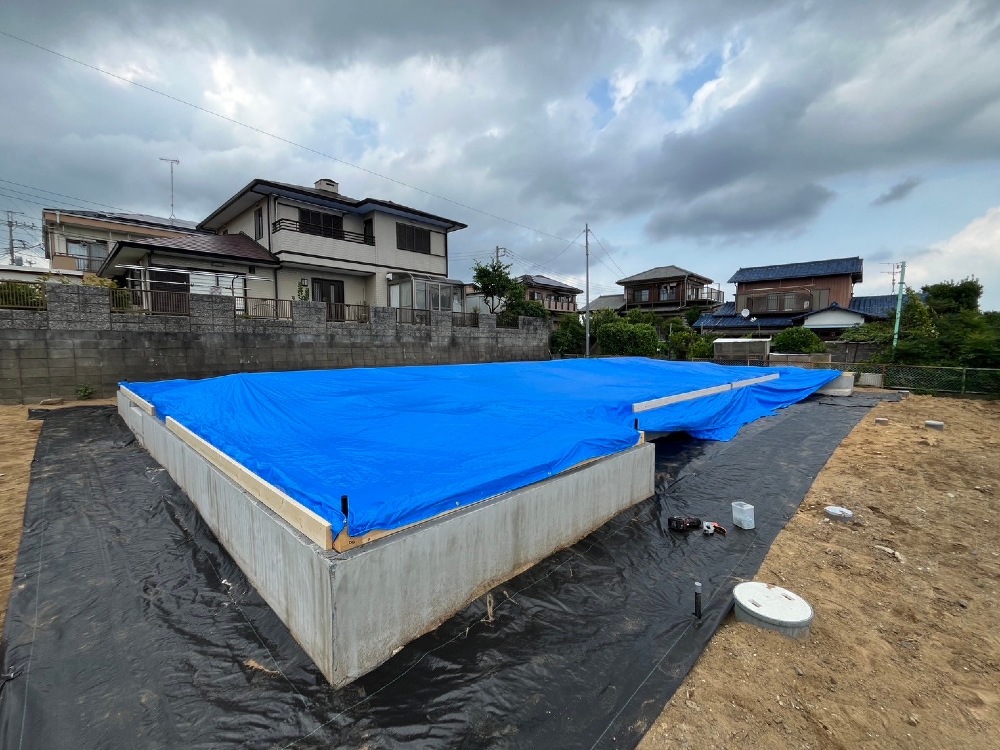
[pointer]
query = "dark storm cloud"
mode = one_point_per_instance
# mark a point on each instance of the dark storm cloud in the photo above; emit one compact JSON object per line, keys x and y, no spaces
{"x":897,"y":192}
{"x":808,"y":93}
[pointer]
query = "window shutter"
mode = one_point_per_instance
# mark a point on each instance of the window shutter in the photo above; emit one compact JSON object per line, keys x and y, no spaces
{"x":423,"y":243}
{"x":400,"y":236}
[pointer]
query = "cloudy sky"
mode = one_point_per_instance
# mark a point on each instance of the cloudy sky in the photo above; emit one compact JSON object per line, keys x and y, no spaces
{"x":708,"y":135}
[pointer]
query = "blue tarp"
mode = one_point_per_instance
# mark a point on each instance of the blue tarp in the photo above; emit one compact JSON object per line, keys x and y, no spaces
{"x":408,"y":443}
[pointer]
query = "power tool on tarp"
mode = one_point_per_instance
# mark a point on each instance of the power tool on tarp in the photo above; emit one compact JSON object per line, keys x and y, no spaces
{"x":688,"y":523}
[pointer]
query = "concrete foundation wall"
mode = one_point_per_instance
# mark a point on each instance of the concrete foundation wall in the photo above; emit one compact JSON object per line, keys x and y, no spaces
{"x":351,"y":611}
{"x":78,"y":341}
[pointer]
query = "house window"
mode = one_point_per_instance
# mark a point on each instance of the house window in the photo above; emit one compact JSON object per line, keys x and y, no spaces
{"x":370,"y":230}
{"x":640,"y":295}
{"x":772,"y":303}
{"x":258,"y":223}
{"x":328,"y":290}
{"x":319,"y":223}
{"x":413,"y":238}
{"x":89,"y":255}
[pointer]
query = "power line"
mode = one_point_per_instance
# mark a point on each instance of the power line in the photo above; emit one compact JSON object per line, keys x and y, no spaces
{"x":609,"y":255}
{"x":61,"y":195}
{"x":571,"y":243}
{"x":278,"y":137}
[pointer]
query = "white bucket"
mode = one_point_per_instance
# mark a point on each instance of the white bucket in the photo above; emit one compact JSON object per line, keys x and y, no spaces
{"x":743,"y":515}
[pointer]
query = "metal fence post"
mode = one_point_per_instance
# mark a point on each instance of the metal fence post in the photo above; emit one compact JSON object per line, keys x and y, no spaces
{"x":963,"y":380}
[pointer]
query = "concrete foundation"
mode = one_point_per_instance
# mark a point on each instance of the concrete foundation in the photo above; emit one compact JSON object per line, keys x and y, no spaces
{"x":351,"y":611}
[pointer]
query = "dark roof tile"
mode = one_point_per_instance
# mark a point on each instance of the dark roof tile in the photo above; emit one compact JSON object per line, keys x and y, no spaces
{"x":832,"y":267}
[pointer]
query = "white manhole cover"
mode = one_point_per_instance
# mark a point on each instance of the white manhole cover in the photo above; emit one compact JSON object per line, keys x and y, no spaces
{"x":773,"y":607}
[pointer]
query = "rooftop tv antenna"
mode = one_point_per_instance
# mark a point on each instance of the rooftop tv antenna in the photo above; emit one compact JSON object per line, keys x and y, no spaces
{"x":171,"y":162}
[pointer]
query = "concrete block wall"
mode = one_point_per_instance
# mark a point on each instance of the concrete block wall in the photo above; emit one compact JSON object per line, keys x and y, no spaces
{"x":78,"y":341}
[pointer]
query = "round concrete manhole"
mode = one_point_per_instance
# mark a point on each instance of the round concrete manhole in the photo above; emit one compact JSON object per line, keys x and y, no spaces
{"x":836,"y":513}
{"x":774,"y":608}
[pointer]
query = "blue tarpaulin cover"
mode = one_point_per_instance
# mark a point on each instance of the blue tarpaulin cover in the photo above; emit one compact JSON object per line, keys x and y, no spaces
{"x":408,"y":443}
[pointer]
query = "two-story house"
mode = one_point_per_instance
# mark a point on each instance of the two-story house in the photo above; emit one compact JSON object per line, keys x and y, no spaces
{"x":664,"y":290}
{"x":555,"y":296}
{"x":295,"y":242}
{"x":80,"y":240}
{"x":818,"y":294}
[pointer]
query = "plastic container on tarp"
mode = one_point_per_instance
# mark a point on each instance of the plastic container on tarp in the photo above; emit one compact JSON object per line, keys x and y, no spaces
{"x":743,"y":515}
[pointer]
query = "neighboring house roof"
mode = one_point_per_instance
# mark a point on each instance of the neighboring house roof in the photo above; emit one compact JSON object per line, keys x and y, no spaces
{"x":250,"y":193}
{"x":605,"y":302}
{"x":662,"y":272}
{"x":727,"y":317}
{"x":236,"y":247}
{"x":832,"y":267}
{"x":545,"y":281}
{"x":142,"y":220}
{"x":879,"y":306}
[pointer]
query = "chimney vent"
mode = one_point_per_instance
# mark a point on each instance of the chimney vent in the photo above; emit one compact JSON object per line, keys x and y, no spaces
{"x":328,"y":186}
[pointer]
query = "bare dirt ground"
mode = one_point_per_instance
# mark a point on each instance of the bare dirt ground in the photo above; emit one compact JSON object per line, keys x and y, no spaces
{"x":904,"y":651}
{"x":905,"y":648}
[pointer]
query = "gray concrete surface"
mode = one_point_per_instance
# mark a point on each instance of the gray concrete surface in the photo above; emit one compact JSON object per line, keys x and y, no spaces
{"x":351,"y":611}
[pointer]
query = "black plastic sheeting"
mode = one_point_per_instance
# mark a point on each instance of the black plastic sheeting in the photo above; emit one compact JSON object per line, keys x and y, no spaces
{"x":129,"y":626}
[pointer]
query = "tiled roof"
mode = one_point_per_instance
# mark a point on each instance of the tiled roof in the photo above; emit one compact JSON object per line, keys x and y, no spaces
{"x":178,"y":225}
{"x":237,"y":246}
{"x":605,"y":302}
{"x":662,"y":272}
{"x":725,"y":316}
{"x":832,"y":267}
{"x":709,"y":322}
{"x":545,"y":281}
{"x":879,"y":306}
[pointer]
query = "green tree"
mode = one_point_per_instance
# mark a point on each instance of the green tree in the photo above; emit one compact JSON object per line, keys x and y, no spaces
{"x":949,"y":297}
{"x":599,"y":319}
{"x":691,"y":315}
{"x":569,"y":338}
{"x":493,"y":279}
{"x":797,"y":340}
{"x":702,"y":347}
{"x":629,"y":339}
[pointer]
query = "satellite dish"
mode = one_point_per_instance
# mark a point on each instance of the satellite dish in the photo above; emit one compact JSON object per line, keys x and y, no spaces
{"x":745,"y":313}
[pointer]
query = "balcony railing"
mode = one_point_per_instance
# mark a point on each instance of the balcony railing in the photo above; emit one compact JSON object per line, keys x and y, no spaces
{"x":706,"y":294}
{"x":779,"y":302}
{"x":465,"y":320}
{"x":338,"y":234}
{"x":149,"y":302}
{"x":260,"y":308}
{"x":78,"y":263}
{"x":338,"y":312}
{"x":22,"y":295}
{"x":557,"y":306}
{"x":412,"y":316}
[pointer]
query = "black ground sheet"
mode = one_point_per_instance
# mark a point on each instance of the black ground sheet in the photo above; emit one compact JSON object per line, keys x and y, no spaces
{"x":130,"y":627}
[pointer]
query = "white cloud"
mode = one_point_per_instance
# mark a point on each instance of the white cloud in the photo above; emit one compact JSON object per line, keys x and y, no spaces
{"x":974,"y":251}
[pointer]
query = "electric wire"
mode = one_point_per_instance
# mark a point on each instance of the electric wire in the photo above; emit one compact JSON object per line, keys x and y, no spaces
{"x":279,"y":138}
{"x":62,"y":195}
{"x":609,"y":255}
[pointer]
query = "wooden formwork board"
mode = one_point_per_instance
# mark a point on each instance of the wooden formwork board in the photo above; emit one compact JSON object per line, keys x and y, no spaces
{"x":310,"y":524}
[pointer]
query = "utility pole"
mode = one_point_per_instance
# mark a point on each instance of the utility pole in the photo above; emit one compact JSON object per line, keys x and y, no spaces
{"x":899,"y":304}
{"x":171,"y":162}
{"x":10,"y":232}
{"x":586,"y":242}
{"x":10,"y":235}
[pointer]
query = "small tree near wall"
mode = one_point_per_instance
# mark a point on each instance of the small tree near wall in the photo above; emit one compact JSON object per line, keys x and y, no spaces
{"x":628,"y":339}
{"x":798,"y":340}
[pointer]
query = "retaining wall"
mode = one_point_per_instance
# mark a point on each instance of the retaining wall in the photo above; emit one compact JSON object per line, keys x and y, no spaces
{"x":78,"y":342}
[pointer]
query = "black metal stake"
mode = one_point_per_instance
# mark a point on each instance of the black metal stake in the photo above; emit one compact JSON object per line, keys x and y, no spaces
{"x":697,"y":600}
